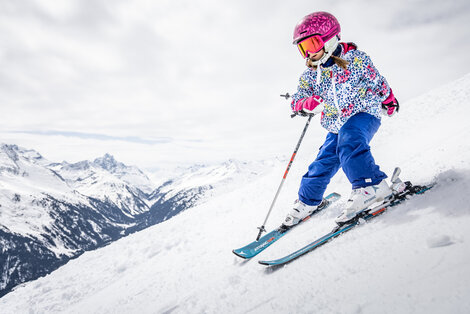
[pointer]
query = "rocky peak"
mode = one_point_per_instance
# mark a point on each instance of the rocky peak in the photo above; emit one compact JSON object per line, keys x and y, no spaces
{"x":107,"y":162}
{"x":11,"y":151}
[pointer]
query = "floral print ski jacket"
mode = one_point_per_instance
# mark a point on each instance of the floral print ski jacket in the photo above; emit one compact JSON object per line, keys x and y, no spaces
{"x":360,"y":88}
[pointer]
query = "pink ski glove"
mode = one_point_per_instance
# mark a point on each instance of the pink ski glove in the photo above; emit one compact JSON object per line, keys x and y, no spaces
{"x":390,"y":105}
{"x":310,"y":105}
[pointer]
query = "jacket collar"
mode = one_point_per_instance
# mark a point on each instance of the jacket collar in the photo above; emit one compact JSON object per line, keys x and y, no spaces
{"x":330,"y":60}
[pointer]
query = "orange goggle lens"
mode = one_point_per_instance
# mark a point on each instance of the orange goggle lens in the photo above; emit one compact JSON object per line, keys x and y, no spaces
{"x":312,"y":44}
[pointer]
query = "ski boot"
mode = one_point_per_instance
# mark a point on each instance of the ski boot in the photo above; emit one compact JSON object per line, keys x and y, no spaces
{"x":299,"y":212}
{"x":362,"y":198}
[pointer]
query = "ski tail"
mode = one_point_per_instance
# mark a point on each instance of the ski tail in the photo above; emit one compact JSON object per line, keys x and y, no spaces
{"x":338,"y":230}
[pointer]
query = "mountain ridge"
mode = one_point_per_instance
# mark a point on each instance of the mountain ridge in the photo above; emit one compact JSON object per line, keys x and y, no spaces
{"x":64,"y":209}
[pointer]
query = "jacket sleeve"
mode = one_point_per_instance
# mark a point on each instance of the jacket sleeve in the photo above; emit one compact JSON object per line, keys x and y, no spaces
{"x":304,"y":90}
{"x":371,"y":81}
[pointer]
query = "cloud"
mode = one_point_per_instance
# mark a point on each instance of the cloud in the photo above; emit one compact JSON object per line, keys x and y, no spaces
{"x":199,"y":79}
{"x":100,"y":137}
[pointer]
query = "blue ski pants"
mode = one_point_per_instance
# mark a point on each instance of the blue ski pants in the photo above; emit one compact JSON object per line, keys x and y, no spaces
{"x":350,"y":150}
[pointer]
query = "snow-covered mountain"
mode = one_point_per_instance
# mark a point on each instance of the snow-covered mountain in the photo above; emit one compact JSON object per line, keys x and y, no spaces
{"x":110,"y":181}
{"x":200,"y":183}
{"x":51,"y":212}
{"x":413,"y":259}
{"x":43,"y":222}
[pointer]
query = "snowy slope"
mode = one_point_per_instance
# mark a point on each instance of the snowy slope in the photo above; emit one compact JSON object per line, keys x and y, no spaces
{"x":413,"y":259}
{"x":222,"y":177}
{"x":52,"y":212}
{"x":200,"y":183}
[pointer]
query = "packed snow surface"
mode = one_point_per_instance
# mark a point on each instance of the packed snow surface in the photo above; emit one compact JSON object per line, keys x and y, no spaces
{"x":413,"y":259}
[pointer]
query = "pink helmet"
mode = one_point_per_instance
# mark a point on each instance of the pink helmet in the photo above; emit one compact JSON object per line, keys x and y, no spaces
{"x":321,"y":23}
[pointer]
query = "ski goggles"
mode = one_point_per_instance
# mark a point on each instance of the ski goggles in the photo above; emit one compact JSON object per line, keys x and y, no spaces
{"x":312,"y":44}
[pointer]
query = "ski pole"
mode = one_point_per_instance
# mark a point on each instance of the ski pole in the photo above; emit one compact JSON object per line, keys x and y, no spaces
{"x":262,"y":229}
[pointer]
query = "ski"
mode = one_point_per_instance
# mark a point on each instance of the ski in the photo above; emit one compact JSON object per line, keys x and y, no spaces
{"x":359,"y":219}
{"x":255,"y":247}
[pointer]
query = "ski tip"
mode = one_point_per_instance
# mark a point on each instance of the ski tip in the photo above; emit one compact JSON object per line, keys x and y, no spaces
{"x":273,"y":263}
{"x":238,"y":254}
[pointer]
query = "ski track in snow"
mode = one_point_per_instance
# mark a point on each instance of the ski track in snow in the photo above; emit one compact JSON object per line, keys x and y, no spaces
{"x":413,"y":259}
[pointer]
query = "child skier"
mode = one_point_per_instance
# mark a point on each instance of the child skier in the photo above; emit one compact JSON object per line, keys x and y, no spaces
{"x":342,"y":83}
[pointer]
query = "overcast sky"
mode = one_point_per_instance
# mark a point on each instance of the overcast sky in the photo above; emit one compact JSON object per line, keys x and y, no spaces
{"x":162,"y":83}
